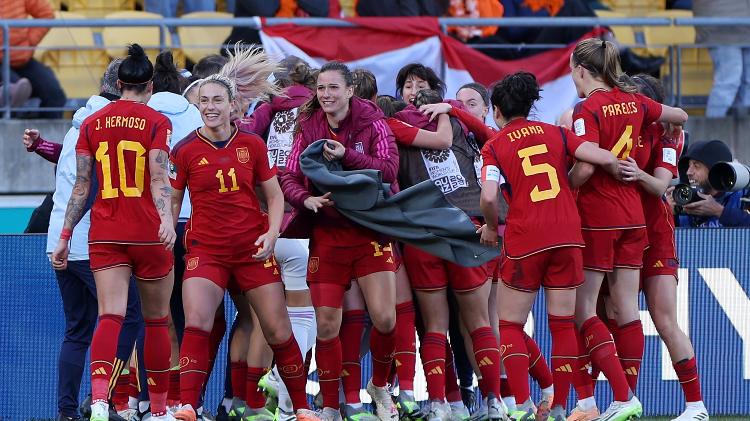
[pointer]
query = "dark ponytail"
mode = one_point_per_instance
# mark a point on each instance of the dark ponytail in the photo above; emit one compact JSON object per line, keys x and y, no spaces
{"x":166,"y":76}
{"x":515,"y":95}
{"x":602,"y":59}
{"x":135,"y":70}
{"x":649,"y":86}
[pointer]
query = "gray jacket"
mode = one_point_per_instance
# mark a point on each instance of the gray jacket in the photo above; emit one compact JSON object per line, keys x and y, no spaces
{"x":419,"y":216}
{"x":722,"y":34}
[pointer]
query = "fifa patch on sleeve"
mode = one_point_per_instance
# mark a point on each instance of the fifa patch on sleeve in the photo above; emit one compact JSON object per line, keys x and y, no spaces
{"x":172,"y":170}
{"x":580,"y":127}
{"x":669,"y":156}
{"x":491,"y":173}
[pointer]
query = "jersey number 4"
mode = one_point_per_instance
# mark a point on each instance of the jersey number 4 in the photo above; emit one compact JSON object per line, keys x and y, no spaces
{"x":624,"y":144}
{"x":530,"y":169}
{"x":102,"y":156}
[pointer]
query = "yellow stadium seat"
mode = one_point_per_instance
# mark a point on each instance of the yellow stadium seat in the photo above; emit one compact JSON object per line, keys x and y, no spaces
{"x":74,"y":57}
{"x":636,"y":7}
{"x":200,"y":41}
{"x":624,"y":34}
{"x":117,"y":38}
{"x":99,"y":8}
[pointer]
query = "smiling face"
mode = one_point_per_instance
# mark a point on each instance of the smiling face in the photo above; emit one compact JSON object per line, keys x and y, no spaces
{"x":413,"y":85}
{"x":214,"y":105}
{"x":697,"y":174}
{"x":473,"y":102}
{"x":333,"y":94}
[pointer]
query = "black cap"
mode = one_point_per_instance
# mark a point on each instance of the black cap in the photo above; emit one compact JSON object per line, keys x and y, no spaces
{"x":708,"y":152}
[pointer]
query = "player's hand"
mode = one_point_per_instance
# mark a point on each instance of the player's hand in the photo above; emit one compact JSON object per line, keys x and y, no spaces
{"x":316,"y":202}
{"x":673,"y":130}
{"x":167,"y":236}
{"x":434,"y":110}
{"x":266,"y":244}
{"x":333,"y":150}
{"x":488,"y":236}
{"x":60,"y":255}
{"x":29,"y":137}
{"x":707,"y":207}
{"x":629,"y":170}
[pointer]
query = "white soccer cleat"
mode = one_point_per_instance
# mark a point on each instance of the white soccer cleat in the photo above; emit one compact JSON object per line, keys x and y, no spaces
{"x":694,"y":411}
{"x":622,"y":411}
{"x":385,"y":409}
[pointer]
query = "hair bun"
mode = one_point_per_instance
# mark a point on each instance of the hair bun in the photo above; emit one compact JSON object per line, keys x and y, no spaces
{"x":136,"y":51}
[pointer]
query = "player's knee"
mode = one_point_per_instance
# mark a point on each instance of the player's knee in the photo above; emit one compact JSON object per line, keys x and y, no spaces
{"x":199,"y":320}
{"x":327,"y":327}
{"x":384,"y":321}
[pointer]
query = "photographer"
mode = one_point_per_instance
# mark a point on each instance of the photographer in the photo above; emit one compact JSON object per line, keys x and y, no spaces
{"x":717,"y":208}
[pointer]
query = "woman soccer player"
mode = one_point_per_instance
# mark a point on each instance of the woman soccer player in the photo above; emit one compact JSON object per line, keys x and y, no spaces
{"x":229,"y":238}
{"x":528,"y":160}
{"x":612,"y":116}
{"x":339,"y":249}
{"x":131,"y":226}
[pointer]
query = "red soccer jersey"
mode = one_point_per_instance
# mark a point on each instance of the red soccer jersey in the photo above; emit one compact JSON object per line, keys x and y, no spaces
{"x":613,"y":120}
{"x":532,"y":156}
{"x":120,"y":136}
{"x":226,"y":217}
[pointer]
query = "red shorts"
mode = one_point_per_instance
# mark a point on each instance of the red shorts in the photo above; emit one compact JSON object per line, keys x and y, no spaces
{"x":557,"y":268}
{"x":660,"y":258}
{"x":331,"y":269}
{"x":493,"y":268}
{"x":609,"y":249}
{"x":429,"y":273}
{"x":239,"y":273}
{"x":149,"y":262}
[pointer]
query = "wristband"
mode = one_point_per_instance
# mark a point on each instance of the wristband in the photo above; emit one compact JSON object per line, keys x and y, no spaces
{"x":66,"y":234}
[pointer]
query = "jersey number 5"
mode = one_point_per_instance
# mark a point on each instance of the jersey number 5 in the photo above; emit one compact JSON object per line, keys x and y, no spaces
{"x":530,"y":169}
{"x":624,"y":144}
{"x":109,"y":192}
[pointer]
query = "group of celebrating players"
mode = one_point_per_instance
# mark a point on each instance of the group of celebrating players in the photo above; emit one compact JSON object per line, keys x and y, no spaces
{"x":582,"y":206}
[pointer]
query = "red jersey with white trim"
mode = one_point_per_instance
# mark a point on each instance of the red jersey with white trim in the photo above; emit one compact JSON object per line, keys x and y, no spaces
{"x":532,"y":158}
{"x":119,"y":137}
{"x":657,"y":150}
{"x":613,"y":120}
{"x":226,"y":217}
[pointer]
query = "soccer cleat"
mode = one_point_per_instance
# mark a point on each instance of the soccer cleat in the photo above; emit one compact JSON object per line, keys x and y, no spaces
{"x":496,"y":409}
{"x":439,"y":411}
{"x":328,"y":414}
{"x":459,"y":413}
{"x":469,"y":397}
{"x":221,"y":413}
{"x":307,"y":415}
{"x":480,"y":414}
{"x":237,"y":410}
{"x":186,"y":413}
{"x":622,"y":411}
{"x":127,"y":414}
{"x":694,"y":411}
{"x":521,"y":415}
{"x":282,"y":415}
{"x":578,"y":414}
{"x":385,"y":409}
{"x":260,"y":414}
{"x":85,"y":408}
{"x":350,"y":413}
{"x":269,"y":384}
{"x":544,"y":406}
{"x":408,"y":408}
{"x":99,"y":411}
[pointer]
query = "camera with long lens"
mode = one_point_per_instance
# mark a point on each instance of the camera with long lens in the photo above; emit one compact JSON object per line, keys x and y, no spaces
{"x":685,"y":194}
{"x":729,"y":176}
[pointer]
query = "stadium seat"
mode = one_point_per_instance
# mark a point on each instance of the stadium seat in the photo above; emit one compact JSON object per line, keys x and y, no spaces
{"x":117,"y":38}
{"x":696,"y":65}
{"x":636,"y":7}
{"x":74,"y":57}
{"x":99,"y":8}
{"x":199,"y":41}
{"x":624,"y":34}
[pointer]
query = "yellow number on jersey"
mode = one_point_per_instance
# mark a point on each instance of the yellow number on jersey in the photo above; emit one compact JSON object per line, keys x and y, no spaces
{"x":108,"y":191}
{"x":530,"y":169}
{"x":624,"y":144}
{"x":222,"y":187}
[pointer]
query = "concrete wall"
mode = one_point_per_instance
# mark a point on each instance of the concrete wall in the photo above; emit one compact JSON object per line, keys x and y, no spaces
{"x":23,"y":172}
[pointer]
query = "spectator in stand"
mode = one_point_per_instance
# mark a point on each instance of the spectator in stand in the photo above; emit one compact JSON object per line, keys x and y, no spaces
{"x":402,"y":7}
{"x":718,"y":209}
{"x":168,"y":8}
{"x":731,"y":61}
{"x":44,"y":84}
{"x":20,"y":92}
{"x":474,"y":9}
{"x":272,"y":8}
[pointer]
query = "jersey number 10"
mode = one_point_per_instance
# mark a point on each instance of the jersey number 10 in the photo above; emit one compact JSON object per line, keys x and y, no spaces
{"x":102,"y":156}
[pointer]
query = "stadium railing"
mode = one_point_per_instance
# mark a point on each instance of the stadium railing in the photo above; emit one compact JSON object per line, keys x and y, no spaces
{"x":674,"y":50}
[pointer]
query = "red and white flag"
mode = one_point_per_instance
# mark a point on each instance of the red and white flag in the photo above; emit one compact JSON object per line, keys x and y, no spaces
{"x":384,"y":45}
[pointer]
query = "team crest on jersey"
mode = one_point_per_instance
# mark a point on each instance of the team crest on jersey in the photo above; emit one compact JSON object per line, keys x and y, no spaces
{"x":359,"y":147}
{"x":313,"y":264}
{"x":192,"y":263}
{"x":243,"y":155}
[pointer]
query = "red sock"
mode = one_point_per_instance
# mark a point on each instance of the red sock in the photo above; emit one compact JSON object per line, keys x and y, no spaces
{"x":173,"y":396}
{"x":487,"y":356}
{"x":238,"y":379}
{"x":194,"y":352}
{"x":157,"y":350}
{"x":687,"y":373}
{"x":350,"y":334}
{"x":382,"y":348}
{"x":581,"y":377}
{"x":601,"y":349}
{"x":433,"y":355}
{"x":515,"y":359}
{"x":452,"y":392}
{"x":538,"y":368}
{"x":564,"y":356}
{"x":120,"y":395}
{"x":103,"y":350}
{"x":253,"y":395}
{"x":214,"y":340}
{"x":292,"y":371}
{"x":328,"y":359}
{"x":133,"y":387}
{"x":406,"y":346}
{"x":629,"y":342}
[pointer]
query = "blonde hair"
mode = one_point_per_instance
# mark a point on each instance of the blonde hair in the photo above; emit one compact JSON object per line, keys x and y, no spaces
{"x":224,"y":81}
{"x":250,"y":68}
{"x":601,"y":59}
